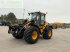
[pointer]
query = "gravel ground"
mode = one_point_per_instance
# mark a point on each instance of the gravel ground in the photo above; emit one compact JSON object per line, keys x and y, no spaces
{"x":60,"y":42}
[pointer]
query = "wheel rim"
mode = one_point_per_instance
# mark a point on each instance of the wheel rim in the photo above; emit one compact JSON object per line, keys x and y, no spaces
{"x":49,"y":33}
{"x":34,"y":35}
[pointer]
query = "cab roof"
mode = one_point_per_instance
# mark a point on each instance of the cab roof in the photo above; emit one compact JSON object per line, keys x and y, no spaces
{"x":37,"y":13}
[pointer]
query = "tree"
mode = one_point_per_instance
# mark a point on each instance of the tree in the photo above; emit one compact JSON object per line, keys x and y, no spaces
{"x":11,"y":17}
{"x":1,"y":17}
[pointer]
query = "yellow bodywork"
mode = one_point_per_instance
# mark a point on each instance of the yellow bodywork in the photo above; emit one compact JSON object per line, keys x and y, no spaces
{"x":42,"y":27}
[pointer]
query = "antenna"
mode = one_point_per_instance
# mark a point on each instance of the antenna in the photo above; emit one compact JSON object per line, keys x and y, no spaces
{"x":23,"y":13}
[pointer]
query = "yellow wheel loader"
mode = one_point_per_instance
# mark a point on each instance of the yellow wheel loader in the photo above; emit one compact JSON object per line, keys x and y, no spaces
{"x":31,"y":30}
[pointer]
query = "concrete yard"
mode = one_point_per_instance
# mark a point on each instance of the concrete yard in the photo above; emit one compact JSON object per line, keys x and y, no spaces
{"x":60,"y":42}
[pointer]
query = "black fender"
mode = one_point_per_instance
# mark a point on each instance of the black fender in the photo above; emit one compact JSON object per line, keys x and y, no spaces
{"x":50,"y":26}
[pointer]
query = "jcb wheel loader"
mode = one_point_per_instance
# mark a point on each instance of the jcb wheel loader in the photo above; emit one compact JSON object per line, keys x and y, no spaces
{"x":31,"y":30}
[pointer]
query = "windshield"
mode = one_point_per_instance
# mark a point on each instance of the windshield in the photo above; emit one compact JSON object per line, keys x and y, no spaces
{"x":33,"y":16}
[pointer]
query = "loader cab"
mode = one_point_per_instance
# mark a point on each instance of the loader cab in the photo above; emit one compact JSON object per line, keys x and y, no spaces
{"x":38,"y":17}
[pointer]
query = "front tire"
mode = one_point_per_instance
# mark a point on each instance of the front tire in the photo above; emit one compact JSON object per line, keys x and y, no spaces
{"x":31,"y":35}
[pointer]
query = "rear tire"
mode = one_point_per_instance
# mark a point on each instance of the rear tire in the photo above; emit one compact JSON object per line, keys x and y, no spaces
{"x":47,"y":33}
{"x":28,"y":35}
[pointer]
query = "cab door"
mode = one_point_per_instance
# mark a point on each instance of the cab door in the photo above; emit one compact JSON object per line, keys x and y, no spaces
{"x":42,"y":19}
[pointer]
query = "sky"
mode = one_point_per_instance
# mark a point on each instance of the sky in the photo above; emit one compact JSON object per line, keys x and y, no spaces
{"x":15,"y":6}
{"x":57,"y":10}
